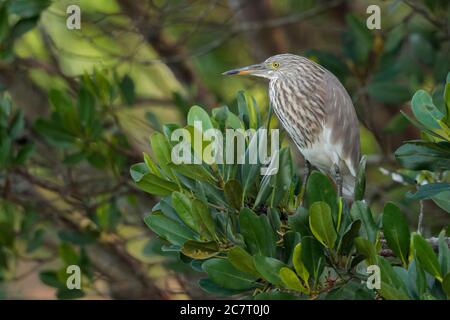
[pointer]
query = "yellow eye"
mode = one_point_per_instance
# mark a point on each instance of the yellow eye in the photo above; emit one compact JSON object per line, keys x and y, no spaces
{"x":275,"y":65}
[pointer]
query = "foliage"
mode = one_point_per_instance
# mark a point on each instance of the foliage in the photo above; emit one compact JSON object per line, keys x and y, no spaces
{"x":69,"y":131}
{"x":430,"y":156}
{"x":252,"y":238}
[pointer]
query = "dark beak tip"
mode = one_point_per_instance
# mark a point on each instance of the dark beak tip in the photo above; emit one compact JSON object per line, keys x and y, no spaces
{"x":230,"y":72}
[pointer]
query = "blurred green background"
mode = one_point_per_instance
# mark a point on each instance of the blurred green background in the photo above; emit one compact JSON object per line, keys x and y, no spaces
{"x":84,"y":102}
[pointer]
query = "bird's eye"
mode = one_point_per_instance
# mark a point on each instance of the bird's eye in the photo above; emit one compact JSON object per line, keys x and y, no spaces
{"x":275,"y":65}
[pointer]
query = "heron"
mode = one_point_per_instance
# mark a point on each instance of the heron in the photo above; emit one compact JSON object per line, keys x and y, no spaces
{"x":318,"y":114}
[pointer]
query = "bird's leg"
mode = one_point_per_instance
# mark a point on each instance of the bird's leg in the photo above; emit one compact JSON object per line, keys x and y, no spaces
{"x":306,"y":172}
{"x":338,"y":179}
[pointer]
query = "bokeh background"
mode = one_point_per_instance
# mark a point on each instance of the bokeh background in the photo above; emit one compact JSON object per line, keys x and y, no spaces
{"x":65,"y":192}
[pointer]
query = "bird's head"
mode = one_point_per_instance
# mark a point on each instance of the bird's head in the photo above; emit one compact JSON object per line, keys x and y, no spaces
{"x":272,"y":68}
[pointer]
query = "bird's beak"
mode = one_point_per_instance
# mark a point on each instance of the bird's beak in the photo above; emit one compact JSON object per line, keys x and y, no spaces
{"x":254,"y":69}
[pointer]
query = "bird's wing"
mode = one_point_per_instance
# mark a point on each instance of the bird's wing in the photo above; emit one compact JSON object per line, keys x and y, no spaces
{"x":342,"y":122}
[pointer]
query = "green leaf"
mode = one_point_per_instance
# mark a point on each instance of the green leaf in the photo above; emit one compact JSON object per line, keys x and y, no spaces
{"x":126,"y":86}
{"x":299,"y":221}
{"x":390,"y":292}
{"x":138,"y":170}
{"x":197,"y":113}
{"x":257,"y":233}
{"x":242,"y":261}
{"x":396,"y":232}
{"x":4,"y":23}
{"x":421,"y":155}
{"x":249,"y":172}
{"x":86,"y":106}
{"x":203,"y":219}
{"x":243,"y":110}
{"x":446,"y":285}
{"x":426,"y":256}
{"x":50,"y":278}
{"x":169,"y":229}
{"x":223,"y":273}
{"x":291,"y":281}
{"x":68,"y":254}
{"x":425,"y":111}
{"x":298,"y":264}
{"x":360,"y":186}
{"x":275,"y":295}
{"x":17,"y":124}
{"x":211,"y":287}
{"x":321,"y":224}
{"x":349,"y":236}
{"x":5,"y":151}
{"x":444,"y":253}
{"x":269,"y":268}
{"x":358,"y":40}
{"x":151,"y":165}
{"x":320,"y":188}
{"x":312,"y":256}
{"x":367,"y":249}
{"x":28,"y":8}
{"x":161,"y":151}
{"x":360,"y":211}
{"x":418,"y":125}
{"x":54,"y":133}
{"x":233,"y":194}
{"x":68,"y":294}
{"x":194,"y":171}
{"x":226,"y":118}
{"x":417,"y":279}
{"x":392,"y":285}
{"x":182,"y":204}
{"x":200,"y":250}
{"x":283,"y":178}
{"x":443,"y":200}
{"x":427,"y":191}
{"x":388,"y":92}
{"x":7,"y":234}
{"x":153,"y":184}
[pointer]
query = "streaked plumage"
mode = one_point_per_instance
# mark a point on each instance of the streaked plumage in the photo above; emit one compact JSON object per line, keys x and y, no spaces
{"x":316,"y":111}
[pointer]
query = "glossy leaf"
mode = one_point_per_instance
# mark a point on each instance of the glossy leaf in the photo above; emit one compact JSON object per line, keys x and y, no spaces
{"x":349,"y":236}
{"x":200,"y":250}
{"x":421,"y":155}
{"x":223,"y":273}
{"x":367,"y":249}
{"x":203,"y":219}
{"x":233,"y":193}
{"x":298,"y":264}
{"x":155,"y":185}
{"x":429,"y":190}
{"x":312,"y":256}
{"x":194,"y":171}
{"x":360,"y":211}
{"x":161,"y":151}
{"x":269,"y":268}
{"x":169,"y":229}
{"x":182,"y":204}
{"x":320,"y":188}
{"x":321,"y":224}
{"x":291,"y":281}
{"x":242,"y":260}
{"x":426,"y":256}
{"x":396,"y":231}
{"x":425,"y":111}
{"x":257,"y":233}
{"x":197,"y":113}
